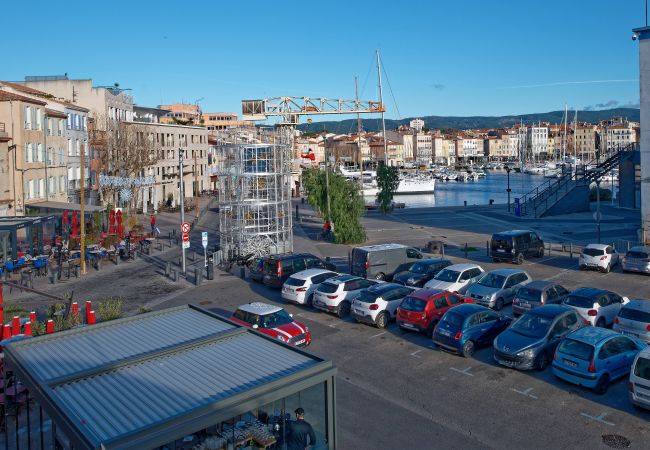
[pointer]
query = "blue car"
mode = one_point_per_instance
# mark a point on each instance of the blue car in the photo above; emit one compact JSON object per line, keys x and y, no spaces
{"x":594,"y":357}
{"x":465,"y":327}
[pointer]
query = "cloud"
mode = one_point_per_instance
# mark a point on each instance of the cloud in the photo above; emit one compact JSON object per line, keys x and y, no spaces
{"x":611,"y":104}
{"x":437,"y":86}
{"x":568,"y":83}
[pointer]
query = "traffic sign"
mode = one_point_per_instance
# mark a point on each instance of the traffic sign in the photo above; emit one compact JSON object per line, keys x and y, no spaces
{"x":598,"y":216}
{"x":186,"y":237}
{"x":186,"y":244}
{"x":185,"y":227}
{"x":204,"y":238}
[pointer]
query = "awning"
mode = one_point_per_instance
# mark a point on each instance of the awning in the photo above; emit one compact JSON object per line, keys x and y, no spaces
{"x":61,"y":206}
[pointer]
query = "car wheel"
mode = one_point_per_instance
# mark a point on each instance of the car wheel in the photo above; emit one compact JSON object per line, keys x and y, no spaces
{"x":499,"y":304}
{"x":344,"y":310}
{"x":520,"y":258}
{"x":380,"y":276}
{"x":607,"y":268}
{"x":581,"y":267}
{"x":468,"y":349}
{"x":429,"y":332}
{"x":601,"y":323}
{"x":310,"y":300}
{"x":603,"y":385}
{"x":542,"y":361}
{"x":382,"y":320}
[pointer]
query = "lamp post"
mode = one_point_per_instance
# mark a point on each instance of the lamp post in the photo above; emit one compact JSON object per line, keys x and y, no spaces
{"x":508,"y":169}
{"x":598,"y":208}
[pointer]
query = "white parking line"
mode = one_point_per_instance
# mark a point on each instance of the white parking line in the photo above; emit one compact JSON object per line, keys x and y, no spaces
{"x":464,"y":371}
{"x":415,"y":354}
{"x":526,"y":393}
{"x":599,"y":418}
{"x":560,"y":273}
{"x":377,"y":335}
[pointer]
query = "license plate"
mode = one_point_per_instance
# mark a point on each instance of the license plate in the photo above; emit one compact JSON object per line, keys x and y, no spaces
{"x":570,"y":363}
{"x":500,"y":250}
{"x":358,"y":312}
{"x":318,"y":303}
{"x":300,"y":342}
{"x":445,"y":332}
{"x":407,"y":325}
{"x":285,"y":289}
{"x":507,"y":363}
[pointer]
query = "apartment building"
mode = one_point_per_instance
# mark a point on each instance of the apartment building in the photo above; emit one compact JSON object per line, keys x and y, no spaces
{"x":583,"y":141}
{"x":7,"y":174}
{"x":416,"y":124}
{"x":394,"y":151}
{"x":148,"y":115}
{"x":469,"y":148}
{"x":619,"y":135}
{"x":537,"y":137}
{"x":77,"y":139}
{"x":422,"y":149}
{"x":215,"y":121}
{"x":406,"y":138}
{"x":181,"y":114}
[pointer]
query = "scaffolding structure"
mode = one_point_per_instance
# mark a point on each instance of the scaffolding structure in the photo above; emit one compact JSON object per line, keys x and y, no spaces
{"x":254,"y":192}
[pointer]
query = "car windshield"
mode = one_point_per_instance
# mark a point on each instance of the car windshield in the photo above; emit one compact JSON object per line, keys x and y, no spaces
{"x":642,"y":368}
{"x":413,"y":304}
{"x":579,"y":302}
{"x":634,"y":314}
{"x":453,"y":319}
{"x":529,"y":294}
{"x":532,"y":325}
{"x":637,"y":255}
{"x":367,"y":297}
{"x":328,"y":288}
{"x":291,"y":281}
{"x":419,"y":268}
{"x":447,"y":275}
{"x":593,"y":252}
{"x":576,"y":349}
{"x":276,"y":319}
{"x":492,"y":280}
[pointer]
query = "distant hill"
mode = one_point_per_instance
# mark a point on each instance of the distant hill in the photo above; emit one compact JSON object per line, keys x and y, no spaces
{"x":470,"y":122}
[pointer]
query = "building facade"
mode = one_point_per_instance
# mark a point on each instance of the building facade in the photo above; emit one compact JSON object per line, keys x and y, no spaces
{"x":643,"y":35}
{"x":6,"y":174}
{"x":77,"y":140}
{"x":538,"y":138}
{"x":215,"y":121}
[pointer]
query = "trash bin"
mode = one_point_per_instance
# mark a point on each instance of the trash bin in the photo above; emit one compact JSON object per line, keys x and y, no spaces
{"x":210,"y":267}
{"x":434,"y":247}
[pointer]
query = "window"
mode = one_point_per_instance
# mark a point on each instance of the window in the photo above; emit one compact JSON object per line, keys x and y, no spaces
{"x":410,"y":253}
{"x":474,"y":320}
{"x":41,"y":153}
{"x":77,"y":121}
{"x":85,"y":122}
{"x":610,"y":348}
{"x":299,"y":264}
{"x":69,"y":121}
{"x":70,"y":147}
{"x":28,"y":117}
{"x":41,"y":187}
{"x":34,"y":152}
{"x":454,"y":299}
{"x":61,"y":183}
{"x":61,"y":127}
{"x":60,"y":155}
{"x":77,"y":147}
{"x":92,"y":177}
{"x":440,"y":302}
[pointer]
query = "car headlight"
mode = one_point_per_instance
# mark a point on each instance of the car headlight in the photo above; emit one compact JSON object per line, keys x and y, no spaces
{"x":526,"y":353}
{"x":282,"y":338}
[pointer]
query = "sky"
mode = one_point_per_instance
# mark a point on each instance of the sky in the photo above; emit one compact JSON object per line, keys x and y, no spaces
{"x":451,"y":58}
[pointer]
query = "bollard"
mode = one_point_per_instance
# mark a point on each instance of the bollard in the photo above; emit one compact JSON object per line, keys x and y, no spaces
{"x":168,"y":268}
{"x":92,"y":318}
{"x":32,"y":316}
{"x":75,"y":309}
{"x":6,"y":332}
{"x":442,"y":249}
{"x":52,"y":275}
{"x":465,"y":202}
{"x":49,"y":326}
{"x":174,"y":275}
{"x":15,"y":326}
{"x":487,"y":248}
{"x":198,"y":274}
{"x":571,"y":250}
{"x":210,"y":270}
{"x":465,"y":250}
{"x":89,"y":307}
{"x":27,"y":330}
{"x":160,"y":246}
{"x":297,"y":212}
{"x":242,"y":273}
{"x":117,"y":259}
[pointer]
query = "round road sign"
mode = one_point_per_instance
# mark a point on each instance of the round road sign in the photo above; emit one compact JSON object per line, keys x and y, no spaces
{"x":186,"y":237}
{"x":185,"y":227}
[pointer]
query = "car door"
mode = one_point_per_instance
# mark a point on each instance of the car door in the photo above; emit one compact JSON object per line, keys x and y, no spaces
{"x":604,"y":309}
{"x":629,"y":350}
{"x":489,"y":326}
{"x":615,"y":304}
{"x":611,"y":357}
{"x":558,"y":331}
{"x":561,"y":293}
{"x":508,"y":291}
{"x":396,"y":298}
{"x":441,"y":306}
{"x":613,"y":255}
{"x":535,"y":243}
{"x":473,"y":329}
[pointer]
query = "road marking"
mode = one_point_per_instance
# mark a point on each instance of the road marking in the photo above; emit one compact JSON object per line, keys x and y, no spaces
{"x":560,"y":273}
{"x":464,"y":371}
{"x":599,"y":418}
{"x":526,"y":392}
{"x":415,"y":354}
{"x":377,"y":335}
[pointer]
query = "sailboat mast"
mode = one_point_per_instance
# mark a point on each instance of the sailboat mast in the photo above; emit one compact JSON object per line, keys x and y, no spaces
{"x":356,"y":97}
{"x":381,"y":102}
{"x":575,"y":138}
{"x":566,"y":116}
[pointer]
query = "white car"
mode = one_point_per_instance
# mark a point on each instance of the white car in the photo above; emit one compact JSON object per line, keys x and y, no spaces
{"x":640,"y":380}
{"x":598,"y":256}
{"x":378,"y":304}
{"x":455,"y":278}
{"x":597,"y":307}
{"x":299,"y":287}
{"x":336,"y":294}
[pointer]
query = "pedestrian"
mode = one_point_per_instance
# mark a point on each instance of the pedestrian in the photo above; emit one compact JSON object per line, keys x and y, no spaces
{"x":301,"y":434}
{"x":152,"y":221}
{"x":327,"y":230}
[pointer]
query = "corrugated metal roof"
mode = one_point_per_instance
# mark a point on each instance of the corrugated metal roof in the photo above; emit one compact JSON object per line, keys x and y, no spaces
{"x":66,"y":353}
{"x":145,"y":393}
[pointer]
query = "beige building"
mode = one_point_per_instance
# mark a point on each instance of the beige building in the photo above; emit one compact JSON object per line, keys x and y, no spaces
{"x":181,"y":114}
{"x":619,"y":135}
{"x":469,"y":148}
{"x":583,"y":141}
{"x":215,"y":121}
{"x":6,"y":174}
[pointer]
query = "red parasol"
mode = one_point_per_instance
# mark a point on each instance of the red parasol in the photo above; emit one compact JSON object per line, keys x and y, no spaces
{"x":120,"y":227}
{"x":111,"y":222}
{"x":75,"y":224}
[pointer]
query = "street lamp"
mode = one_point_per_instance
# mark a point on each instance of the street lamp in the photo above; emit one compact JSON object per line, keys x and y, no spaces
{"x":508,"y":169}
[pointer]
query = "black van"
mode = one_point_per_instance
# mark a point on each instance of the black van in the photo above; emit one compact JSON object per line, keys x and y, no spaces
{"x":515,"y":245}
{"x":382,"y":261}
{"x":277,"y":268}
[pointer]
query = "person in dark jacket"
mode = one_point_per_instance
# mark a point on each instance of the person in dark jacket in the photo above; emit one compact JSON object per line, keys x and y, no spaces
{"x":301,"y":434}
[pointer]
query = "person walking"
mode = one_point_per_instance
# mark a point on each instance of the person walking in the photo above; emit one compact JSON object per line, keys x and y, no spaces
{"x":152,"y":221}
{"x":301,"y":434}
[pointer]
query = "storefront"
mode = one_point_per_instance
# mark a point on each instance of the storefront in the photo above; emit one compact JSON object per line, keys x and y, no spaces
{"x":25,"y":235}
{"x":187,"y":379}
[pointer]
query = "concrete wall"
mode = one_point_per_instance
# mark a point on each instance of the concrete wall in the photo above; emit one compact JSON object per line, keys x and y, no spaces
{"x":644,"y":82}
{"x":576,"y":200}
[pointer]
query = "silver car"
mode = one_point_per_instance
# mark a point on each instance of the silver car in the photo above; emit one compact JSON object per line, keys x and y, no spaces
{"x":498,"y":287}
{"x":633,"y":319}
{"x":637,"y":259}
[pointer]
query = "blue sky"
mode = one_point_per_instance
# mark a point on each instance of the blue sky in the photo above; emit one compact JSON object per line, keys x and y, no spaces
{"x":463,"y":57}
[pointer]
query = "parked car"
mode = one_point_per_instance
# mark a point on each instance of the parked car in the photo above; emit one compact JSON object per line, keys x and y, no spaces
{"x":515,"y":245}
{"x":640,"y":380}
{"x":455,"y":278}
{"x":381,"y":261}
{"x":273,"y":321}
{"x":467,"y":327}
{"x":498,"y":287}
{"x":299,"y":287}
{"x":256,"y":269}
{"x":529,"y":343}
{"x":633,"y":319}
{"x":594,"y":357}
{"x":598,"y":256}
{"x":377,"y":305}
{"x":336,"y":294}
{"x":637,"y":259}
{"x":277,"y":268}
{"x":537,"y":293}
{"x":421,"y":272}
{"x":597,"y":306}
{"x":421,"y":310}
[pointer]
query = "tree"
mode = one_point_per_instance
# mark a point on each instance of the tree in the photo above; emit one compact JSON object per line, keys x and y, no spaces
{"x":346,"y":204}
{"x":387,"y":182}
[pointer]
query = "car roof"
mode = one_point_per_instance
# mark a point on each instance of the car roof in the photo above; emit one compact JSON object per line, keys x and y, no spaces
{"x":467,"y":309}
{"x":597,"y":246}
{"x":431,"y":261}
{"x":639,"y":304}
{"x":284,"y":256}
{"x":342,"y":279}
{"x":539,"y":284}
{"x":259,"y":308}
{"x":426,"y":294}
{"x":374,"y":248}
{"x":592,"y":335}
{"x":464,"y":266}
{"x":550,"y":310}
{"x":640,"y":248}
{"x":507,"y":272}
{"x":513,"y":232}
{"x":383,"y":287}
{"x":645,"y":352}
{"x":588,"y":292}
{"x":308,"y":273}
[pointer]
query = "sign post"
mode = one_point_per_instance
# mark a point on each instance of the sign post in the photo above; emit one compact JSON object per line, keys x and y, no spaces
{"x":204,"y":241}
{"x":182,"y":201}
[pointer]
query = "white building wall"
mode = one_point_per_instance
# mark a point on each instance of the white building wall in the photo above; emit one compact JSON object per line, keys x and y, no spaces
{"x":644,"y":82}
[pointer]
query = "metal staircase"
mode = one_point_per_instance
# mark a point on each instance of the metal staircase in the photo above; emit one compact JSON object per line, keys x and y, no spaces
{"x":540,"y":200}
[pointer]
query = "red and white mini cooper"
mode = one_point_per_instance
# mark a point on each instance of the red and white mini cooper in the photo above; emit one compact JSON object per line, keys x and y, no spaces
{"x":274,"y":321}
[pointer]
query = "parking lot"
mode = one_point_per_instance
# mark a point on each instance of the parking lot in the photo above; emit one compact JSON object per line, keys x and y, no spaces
{"x":395,"y":390}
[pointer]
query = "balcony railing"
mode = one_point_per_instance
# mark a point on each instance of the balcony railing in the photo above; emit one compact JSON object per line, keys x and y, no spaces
{"x":2,"y":127}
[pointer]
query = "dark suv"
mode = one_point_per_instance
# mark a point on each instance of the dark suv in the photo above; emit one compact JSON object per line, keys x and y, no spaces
{"x":515,"y":245}
{"x":278,"y":268}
